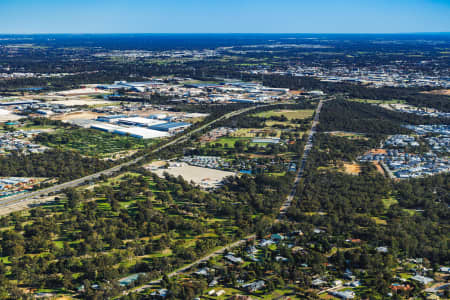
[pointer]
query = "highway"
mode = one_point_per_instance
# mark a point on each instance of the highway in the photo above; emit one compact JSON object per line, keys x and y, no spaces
{"x":30,"y":197}
{"x":285,"y":206}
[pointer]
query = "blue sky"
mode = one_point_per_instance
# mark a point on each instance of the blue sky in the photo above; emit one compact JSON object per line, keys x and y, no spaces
{"x":224,"y":16}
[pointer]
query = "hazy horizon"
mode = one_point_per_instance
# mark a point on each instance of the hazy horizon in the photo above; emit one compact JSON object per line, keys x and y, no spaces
{"x":244,"y":16}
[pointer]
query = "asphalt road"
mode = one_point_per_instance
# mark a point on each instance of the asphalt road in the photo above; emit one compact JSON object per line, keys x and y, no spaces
{"x":30,"y":197}
{"x":285,"y":206}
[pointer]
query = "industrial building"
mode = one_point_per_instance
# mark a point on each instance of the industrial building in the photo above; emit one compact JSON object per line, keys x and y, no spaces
{"x":105,"y":127}
{"x":110,"y":118}
{"x":141,"y":133}
{"x":171,"y":127}
{"x":139,"y":121}
{"x":137,"y":132}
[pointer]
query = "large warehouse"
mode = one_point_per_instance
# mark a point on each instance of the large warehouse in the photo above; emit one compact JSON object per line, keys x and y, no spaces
{"x":137,"y":132}
{"x":139,"y":121}
{"x":141,"y":133}
{"x":171,"y":127}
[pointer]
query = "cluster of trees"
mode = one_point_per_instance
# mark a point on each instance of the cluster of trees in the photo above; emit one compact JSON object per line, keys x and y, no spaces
{"x":89,"y":141}
{"x":98,"y":238}
{"x":335,"y":149}
{"x":55,"y":163}
{"x":420,"y":193}
{"x":361,"y":117}
{"x":412,"y":96}
{"x":350,"y":205}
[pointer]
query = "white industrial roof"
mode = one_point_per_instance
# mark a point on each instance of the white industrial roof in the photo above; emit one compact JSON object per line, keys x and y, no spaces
{"x":143,"y":121}
{"x":106,"y":126}
{"x":142,"y":132}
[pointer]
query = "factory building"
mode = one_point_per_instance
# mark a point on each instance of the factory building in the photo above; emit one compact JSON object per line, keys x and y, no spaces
{"x":110,"y":118}
{"x":139,"y":121}
{"x":137,"y":132}
{"x":141,"y":133}
{"x":171,"y":127}
{"x":105,"y":127}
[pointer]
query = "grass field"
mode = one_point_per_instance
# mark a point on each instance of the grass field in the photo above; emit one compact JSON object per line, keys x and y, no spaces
{"x":348,"y":135}
{"x":289,"y":114}
{"x":256,"y":132}
{"x":379,"y":221}
{"x":230,"y":141}
{"x":388,"y":202}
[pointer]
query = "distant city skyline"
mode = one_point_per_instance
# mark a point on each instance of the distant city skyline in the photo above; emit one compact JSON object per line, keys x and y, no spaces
{"x":232,"y":16}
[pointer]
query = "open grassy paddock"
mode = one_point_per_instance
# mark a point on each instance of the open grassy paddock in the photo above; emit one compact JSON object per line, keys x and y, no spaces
{"x":289,"y":114}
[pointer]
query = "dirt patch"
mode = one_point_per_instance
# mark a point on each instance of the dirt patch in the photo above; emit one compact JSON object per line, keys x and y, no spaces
{"x":377,"y":151}
{"x":439,"y":92}
{"x":352,"y":168}
{"x":156,"y":165}
{"x":379,"y":167}
{"x":80,"y":102}
{"x":87,"y":115}
{"x":348,"y":135}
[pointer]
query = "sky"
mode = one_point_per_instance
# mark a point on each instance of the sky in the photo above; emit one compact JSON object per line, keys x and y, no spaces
{"x":224,"y":16}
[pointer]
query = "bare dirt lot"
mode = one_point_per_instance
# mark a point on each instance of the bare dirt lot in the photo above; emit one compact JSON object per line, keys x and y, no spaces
{"x":439,"y":92}
{"x":87,"y":115}
{"x":379,"y":167}
{"x":205,"y":177}
{"x":10,"y":117}
{"x":352,"y":168}
{"x":377,"y":151}
{"x":79,"y":102}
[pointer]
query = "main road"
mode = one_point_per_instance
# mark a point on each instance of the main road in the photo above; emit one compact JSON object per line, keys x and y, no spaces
{"x":30,"y":197}
{"x":285,"y":206}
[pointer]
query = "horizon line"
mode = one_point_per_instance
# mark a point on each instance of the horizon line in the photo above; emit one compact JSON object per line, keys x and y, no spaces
{"x":262,"y":33}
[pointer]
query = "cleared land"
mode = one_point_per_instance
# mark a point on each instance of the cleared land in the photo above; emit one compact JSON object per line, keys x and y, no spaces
{"x":6,"y":115}
{"x":379,"y":167}
{"x":396,"y":106}
{"x":85,"y":115}
{"x":371,"y":101}
{"x":439,"y":92}
{"x":289,"y":114}
{"x":348,"y":135}
{"x":202,"y":176}
{"x":256,"y":132}
{"x":352,"y":168}
{"x":80,"y":102}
